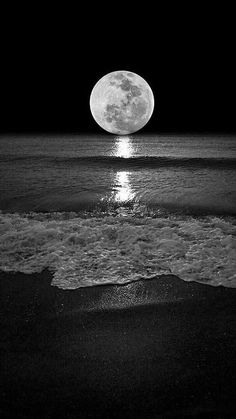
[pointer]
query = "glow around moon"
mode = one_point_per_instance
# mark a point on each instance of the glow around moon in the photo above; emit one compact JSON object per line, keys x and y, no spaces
{"x":122,"y":102}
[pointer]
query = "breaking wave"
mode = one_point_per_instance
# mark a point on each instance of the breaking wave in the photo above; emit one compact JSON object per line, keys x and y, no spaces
{"x":82,"y":252}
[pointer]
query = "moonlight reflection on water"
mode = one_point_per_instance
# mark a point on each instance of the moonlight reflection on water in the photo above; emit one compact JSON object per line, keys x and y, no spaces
{"x":123,"y":147}
{"x":124,"y":191}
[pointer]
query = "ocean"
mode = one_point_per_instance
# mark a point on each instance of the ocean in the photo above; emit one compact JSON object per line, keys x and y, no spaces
{"x":104,"y":209}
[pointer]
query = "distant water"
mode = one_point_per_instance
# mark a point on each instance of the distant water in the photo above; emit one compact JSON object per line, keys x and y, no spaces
{"x":106,"y":209}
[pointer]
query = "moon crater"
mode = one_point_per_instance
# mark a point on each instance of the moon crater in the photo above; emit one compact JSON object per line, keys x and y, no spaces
{"x":122,"y":102}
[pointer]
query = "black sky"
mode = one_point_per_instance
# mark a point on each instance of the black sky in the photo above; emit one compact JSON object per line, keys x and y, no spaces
{"x":49,"y":66}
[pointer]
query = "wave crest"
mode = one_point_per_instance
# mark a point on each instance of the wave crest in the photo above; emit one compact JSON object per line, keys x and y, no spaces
{"x":134,"y":162}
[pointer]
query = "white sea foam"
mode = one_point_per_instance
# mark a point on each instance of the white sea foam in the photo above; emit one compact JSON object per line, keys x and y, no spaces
{"x":83,"y":252}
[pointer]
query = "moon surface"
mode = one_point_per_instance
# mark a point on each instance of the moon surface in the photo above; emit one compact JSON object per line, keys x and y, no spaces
{"x":122,"y":102}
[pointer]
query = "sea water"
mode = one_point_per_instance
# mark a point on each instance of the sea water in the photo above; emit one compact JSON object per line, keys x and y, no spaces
{"x":106,"y":209}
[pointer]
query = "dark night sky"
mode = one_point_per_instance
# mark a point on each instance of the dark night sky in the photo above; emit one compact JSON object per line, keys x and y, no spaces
{"x":49,"y":67}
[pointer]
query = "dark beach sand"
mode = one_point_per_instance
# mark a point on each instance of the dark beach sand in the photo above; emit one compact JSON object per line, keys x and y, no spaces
{"x":157,"y":348}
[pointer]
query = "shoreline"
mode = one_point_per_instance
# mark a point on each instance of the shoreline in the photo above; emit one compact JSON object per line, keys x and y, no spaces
{"x":160,"y":289}
{"x":147,"y":348}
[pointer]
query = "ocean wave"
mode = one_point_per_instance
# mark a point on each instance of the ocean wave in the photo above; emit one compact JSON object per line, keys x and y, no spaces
{"x":134,"y":162}
{"x":82,"y":252}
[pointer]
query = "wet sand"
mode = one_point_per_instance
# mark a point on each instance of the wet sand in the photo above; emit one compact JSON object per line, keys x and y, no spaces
{"x":154,"y":348}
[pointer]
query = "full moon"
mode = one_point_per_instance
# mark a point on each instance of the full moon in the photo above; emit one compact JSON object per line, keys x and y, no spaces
{"x":121,"y":102}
